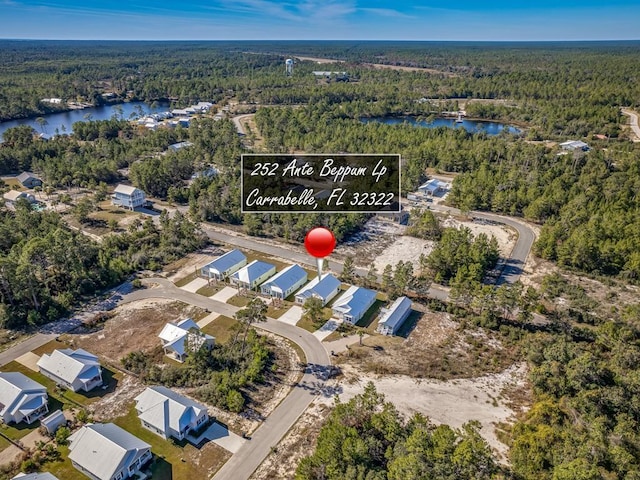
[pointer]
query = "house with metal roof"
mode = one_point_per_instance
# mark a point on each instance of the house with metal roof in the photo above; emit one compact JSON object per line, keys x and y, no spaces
{"x":129,"y":197}
{"x":574,"y":145}
{"x":252,"y":275}
{"x":104,"y":451}
{"x":29,"y":180}
{"x":169,"y":414}
{"x":353,"y":304}
{"x":12,"y":196}
{"x":21,"y":399}
{"x":285,"y":282}
{"x":35,"y":476}
{"x":324,"y":289}
{"x":433,"y":187}
{"x":392,"y":318}
{"x":179,"y":146}
{"x":76,"y":370}
{"x":53,"y":421}
{"x":179,"y":339}
{"x":224,"y":265}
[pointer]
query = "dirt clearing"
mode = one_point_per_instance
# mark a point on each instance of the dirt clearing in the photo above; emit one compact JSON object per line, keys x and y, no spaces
{"x":134,"y":326}
{"x":505,"y":236}
{"x":406,"y":249}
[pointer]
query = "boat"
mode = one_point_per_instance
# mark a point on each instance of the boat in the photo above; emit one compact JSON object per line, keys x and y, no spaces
{"x":459,"y":119}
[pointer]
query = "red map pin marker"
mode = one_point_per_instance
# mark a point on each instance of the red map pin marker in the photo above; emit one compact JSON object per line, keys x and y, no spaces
{"x":320,"y":242}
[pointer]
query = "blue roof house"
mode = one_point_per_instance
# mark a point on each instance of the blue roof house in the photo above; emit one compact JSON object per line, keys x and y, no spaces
{"x":285,"y":283}
{"x":224,"y":265}
{"x":433,"y":186}
{"x":392,"y":318}
{"x":325,"y":289}
{"x":253,"y":274}
{"x":353,"y":304}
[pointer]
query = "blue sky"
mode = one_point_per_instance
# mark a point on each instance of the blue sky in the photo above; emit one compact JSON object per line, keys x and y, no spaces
{"x":321,"y":19}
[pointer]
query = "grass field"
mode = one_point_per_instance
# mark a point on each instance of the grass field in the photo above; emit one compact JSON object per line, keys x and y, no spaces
{"x":239,"y":301}
{"x":188,"y":279}
{"x":63,"y":469}
{"x":220,"y":328}
{"x":209,"y":290}
{"x":309,"y":326}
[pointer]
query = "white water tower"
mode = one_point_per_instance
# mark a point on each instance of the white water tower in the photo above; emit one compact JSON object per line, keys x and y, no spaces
{"x":289,"y":66}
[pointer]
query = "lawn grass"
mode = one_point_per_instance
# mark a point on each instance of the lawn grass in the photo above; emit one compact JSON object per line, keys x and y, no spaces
{"x":172,"y":463}
{"x":63,"y":469}
{"x":310,"y":326}
{"x":50,"y":347}
{"x":188,"y":279}
{"x":209,"y":290}
{"x":274,"y":312}
{"x":4,"y":443}
{"x":239,"y":301}
{"x":17,"y":431}
{"x":367,"y":320}
{"x":69,"y":398}
{"x":221,"y":328}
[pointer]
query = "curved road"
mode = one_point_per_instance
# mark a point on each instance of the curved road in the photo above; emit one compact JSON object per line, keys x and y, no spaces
{"x":634,"y":123}
{"x":252,"y":453}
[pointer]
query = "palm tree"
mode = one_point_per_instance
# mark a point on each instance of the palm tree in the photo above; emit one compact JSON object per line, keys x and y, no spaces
{"x":43,"y":123}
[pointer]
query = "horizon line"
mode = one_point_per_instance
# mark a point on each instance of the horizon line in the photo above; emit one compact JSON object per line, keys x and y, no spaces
{"x":311,"y":40}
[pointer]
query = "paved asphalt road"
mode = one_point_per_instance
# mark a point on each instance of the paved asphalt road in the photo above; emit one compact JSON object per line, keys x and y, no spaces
{"x":25,"y":346}
{"x":244,"y":462}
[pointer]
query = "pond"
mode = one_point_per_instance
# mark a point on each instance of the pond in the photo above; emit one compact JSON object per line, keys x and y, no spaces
{"x":473,"y":126}
{"x":61,"y":122}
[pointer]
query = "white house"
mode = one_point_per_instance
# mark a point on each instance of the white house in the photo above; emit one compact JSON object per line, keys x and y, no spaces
{"x":574,"y":145}
{"x":21,"y":399}
{"x":353,"y":304}
{"x":178,"y":339}
{"x":325,"y":289}
{"x":285,"y":283}
{"x":179,"y":146}
{"x":104,"y":451}
{"x":392,"y":318}
{"x":433,"y":187}
{"x":253,"y":274}
{"x":35,"y":476}
{"x":169,"y":414}
{"x":128,"y":197}
{"x":55,"y":101}
{"x":76,"y":370}
{"x":12,"y":196}
{"x":224,"y":265}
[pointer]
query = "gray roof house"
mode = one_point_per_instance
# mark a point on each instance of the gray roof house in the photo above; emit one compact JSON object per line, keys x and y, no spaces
{"x":224,"y":265}
{"x":433,"y":187}
{"x":13,"y":196}
{"x":104,"y":451}
{"x":21,"y":399}
{"x":285,"y":283}
{"x":53,"y":421}
{"x":169,"y":414}
{"x":178,"y":339}
{"x":325,"y":289}
{"x":353,"y":304}
{"x":179,"y":146}
{"x":77,"y":370}
{"x":392,"y":318}
{"x":253,"y":274}
{"x":29,"y":180}
{"x":574,"y":145}
{"x":35,"y":476}
{"x":129,"y":197}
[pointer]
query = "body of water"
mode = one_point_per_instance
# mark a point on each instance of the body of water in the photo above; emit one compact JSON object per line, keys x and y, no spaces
{"x":473,"y":126}
{"x":61,"y":122}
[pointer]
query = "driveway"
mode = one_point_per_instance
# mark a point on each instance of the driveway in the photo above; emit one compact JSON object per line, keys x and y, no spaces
{"x":29,"y":360}
{"x":208,"y":319}
{"x":225,"y":294}
{"x":220,"y":435}
{"x":292,"y":316}
{"x":195,"y":285}
{"x":327,"y":329}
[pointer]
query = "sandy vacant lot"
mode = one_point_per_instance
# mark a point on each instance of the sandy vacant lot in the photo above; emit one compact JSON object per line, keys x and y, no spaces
{"x":404,"y":249}
{"x":134,"y":326}
{"x":453,"y":402}
{"x":505,"y":236}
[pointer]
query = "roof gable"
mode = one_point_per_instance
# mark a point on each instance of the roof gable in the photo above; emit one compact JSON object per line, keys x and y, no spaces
{"x":157,"y":403}
{"x":287,"y":278}
{"x":104,"y":449}
{"x":69,"y":365}
{"x":15,"y":388}
{"x":253,"y":271}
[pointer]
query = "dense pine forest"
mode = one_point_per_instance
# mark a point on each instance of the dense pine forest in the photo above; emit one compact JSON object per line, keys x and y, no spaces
{"x":583,"y":421}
